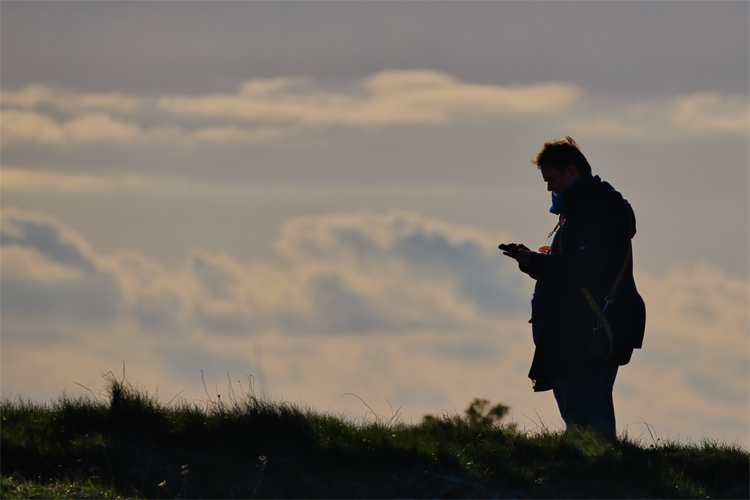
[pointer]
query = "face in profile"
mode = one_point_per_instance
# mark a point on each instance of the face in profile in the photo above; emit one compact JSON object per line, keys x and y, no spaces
{"x":556,"y":180}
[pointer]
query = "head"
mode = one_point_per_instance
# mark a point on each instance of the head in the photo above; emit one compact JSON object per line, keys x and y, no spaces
{"x":561,"y":163}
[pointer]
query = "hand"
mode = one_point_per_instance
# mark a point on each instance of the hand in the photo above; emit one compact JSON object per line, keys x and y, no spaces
{"x":515,"y":250}
{"x":522,"y":255}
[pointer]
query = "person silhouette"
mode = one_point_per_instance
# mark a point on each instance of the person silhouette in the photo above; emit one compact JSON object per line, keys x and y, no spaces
{"x":587,"y":316}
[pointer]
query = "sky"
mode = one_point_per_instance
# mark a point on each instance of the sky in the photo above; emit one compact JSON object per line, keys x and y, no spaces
{"x":304,"y":199}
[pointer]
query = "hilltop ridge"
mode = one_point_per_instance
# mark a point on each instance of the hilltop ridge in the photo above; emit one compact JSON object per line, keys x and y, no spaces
{"x":131,"y":445}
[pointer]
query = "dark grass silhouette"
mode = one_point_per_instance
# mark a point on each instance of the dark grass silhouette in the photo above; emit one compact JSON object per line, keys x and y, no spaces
{"x":131,"y":445}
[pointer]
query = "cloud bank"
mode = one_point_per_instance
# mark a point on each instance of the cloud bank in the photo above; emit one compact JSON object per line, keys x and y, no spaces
{"x":386,"y":98}
{"x":342,"y":274}
{"x":264,"y":110}
{"x":386,"y":304}
{"x":700,"y":113}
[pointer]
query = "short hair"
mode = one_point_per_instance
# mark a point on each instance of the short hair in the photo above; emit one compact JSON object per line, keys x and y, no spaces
{"x":561,"y":153}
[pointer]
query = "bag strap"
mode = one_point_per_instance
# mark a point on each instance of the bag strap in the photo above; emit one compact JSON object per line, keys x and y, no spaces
{"x":608,"y":299}
{"x":610,"y":296}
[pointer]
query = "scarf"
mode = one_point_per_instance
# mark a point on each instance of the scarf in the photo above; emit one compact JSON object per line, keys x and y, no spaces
{"x":558,"y":200}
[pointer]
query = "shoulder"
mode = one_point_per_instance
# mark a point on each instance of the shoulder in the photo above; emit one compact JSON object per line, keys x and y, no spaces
{"x":603,"y":196}
{"x":606,"y":205}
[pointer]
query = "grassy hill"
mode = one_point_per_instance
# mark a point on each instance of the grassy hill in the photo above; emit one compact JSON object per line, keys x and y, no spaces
{"x":131,"y":445}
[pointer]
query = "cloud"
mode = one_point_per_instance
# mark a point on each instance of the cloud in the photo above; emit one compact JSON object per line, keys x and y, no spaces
{"x":269,"y":110}
{"x":16,"y":179}
{"x":449,"y":270}
{"x":378,"y":303}
{"x":351,"y":273}
{"x":36,"y":128}
{"x":51,"y":273}
{"x":698,"y":304}
{"x":693,"y":369}
{"x":711,"y":112}
{"x":386,"y":98}
{"x":46,"y":236}
{"x":697,"y":334}
{"x":339,"y":274}
{"x":230,"y":134}
{"x":701,"y":113}
{"x":38,"y":180}
{"x":29,"y":264}
{"x":34,"y":96}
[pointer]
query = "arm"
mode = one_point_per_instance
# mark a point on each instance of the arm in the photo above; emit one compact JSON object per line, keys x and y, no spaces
{"x":521,"y":253}
{"x":600,"y":230}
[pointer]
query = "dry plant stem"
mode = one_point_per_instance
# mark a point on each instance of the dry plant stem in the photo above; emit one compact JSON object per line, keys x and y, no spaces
{"x":81,"y":385}
{"x":262,"y":467}
{"x":231,"y":388}
{"x":380,"y":419}
{"x":175,"y":397}
{"x":648,"y":428}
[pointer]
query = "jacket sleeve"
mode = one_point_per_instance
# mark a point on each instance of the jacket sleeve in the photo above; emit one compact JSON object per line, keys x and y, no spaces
{"x":601,"y":230}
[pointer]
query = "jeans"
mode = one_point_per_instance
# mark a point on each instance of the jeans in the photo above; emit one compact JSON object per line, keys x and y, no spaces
{"x":588,"y":402}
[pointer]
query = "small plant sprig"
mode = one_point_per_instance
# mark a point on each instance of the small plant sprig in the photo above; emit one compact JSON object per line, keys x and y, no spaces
{"x":261,"y":464}
{"x":479,"y":414}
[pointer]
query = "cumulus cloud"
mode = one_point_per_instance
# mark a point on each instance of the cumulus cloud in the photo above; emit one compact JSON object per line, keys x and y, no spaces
{"x":391,"y":303}
{"x":342,"y":274}
{"x":699,"y":304}
{"x":46,"y":236}
{"x":388,"y":248}
{"x":49,"y":272}
{"x":348,"y":273}
{"x":29,"y":264}
{"x":697,"y":338}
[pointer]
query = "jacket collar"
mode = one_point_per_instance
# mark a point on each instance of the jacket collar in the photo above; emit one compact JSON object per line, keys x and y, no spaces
{"x":566,"y":201}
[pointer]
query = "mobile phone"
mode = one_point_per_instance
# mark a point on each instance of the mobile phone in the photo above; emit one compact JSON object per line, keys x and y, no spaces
{"x":508,"y":248}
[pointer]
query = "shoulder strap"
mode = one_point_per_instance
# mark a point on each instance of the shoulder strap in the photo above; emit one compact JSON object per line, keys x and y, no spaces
{"x":610,"y":296}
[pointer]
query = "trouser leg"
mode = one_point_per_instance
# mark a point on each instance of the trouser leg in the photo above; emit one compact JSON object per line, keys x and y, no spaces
{"x":588,"y":402}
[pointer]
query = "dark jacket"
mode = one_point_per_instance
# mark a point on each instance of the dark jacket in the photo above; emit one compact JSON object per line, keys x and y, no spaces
{"x":589,"y":250}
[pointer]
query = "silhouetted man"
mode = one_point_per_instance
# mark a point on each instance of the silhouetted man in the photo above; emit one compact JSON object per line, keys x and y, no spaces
{"x":587,"y":315}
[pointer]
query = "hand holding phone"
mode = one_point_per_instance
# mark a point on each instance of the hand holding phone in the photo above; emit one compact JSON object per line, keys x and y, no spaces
{"x":510,"y":247}
{"x":519,"y":252}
